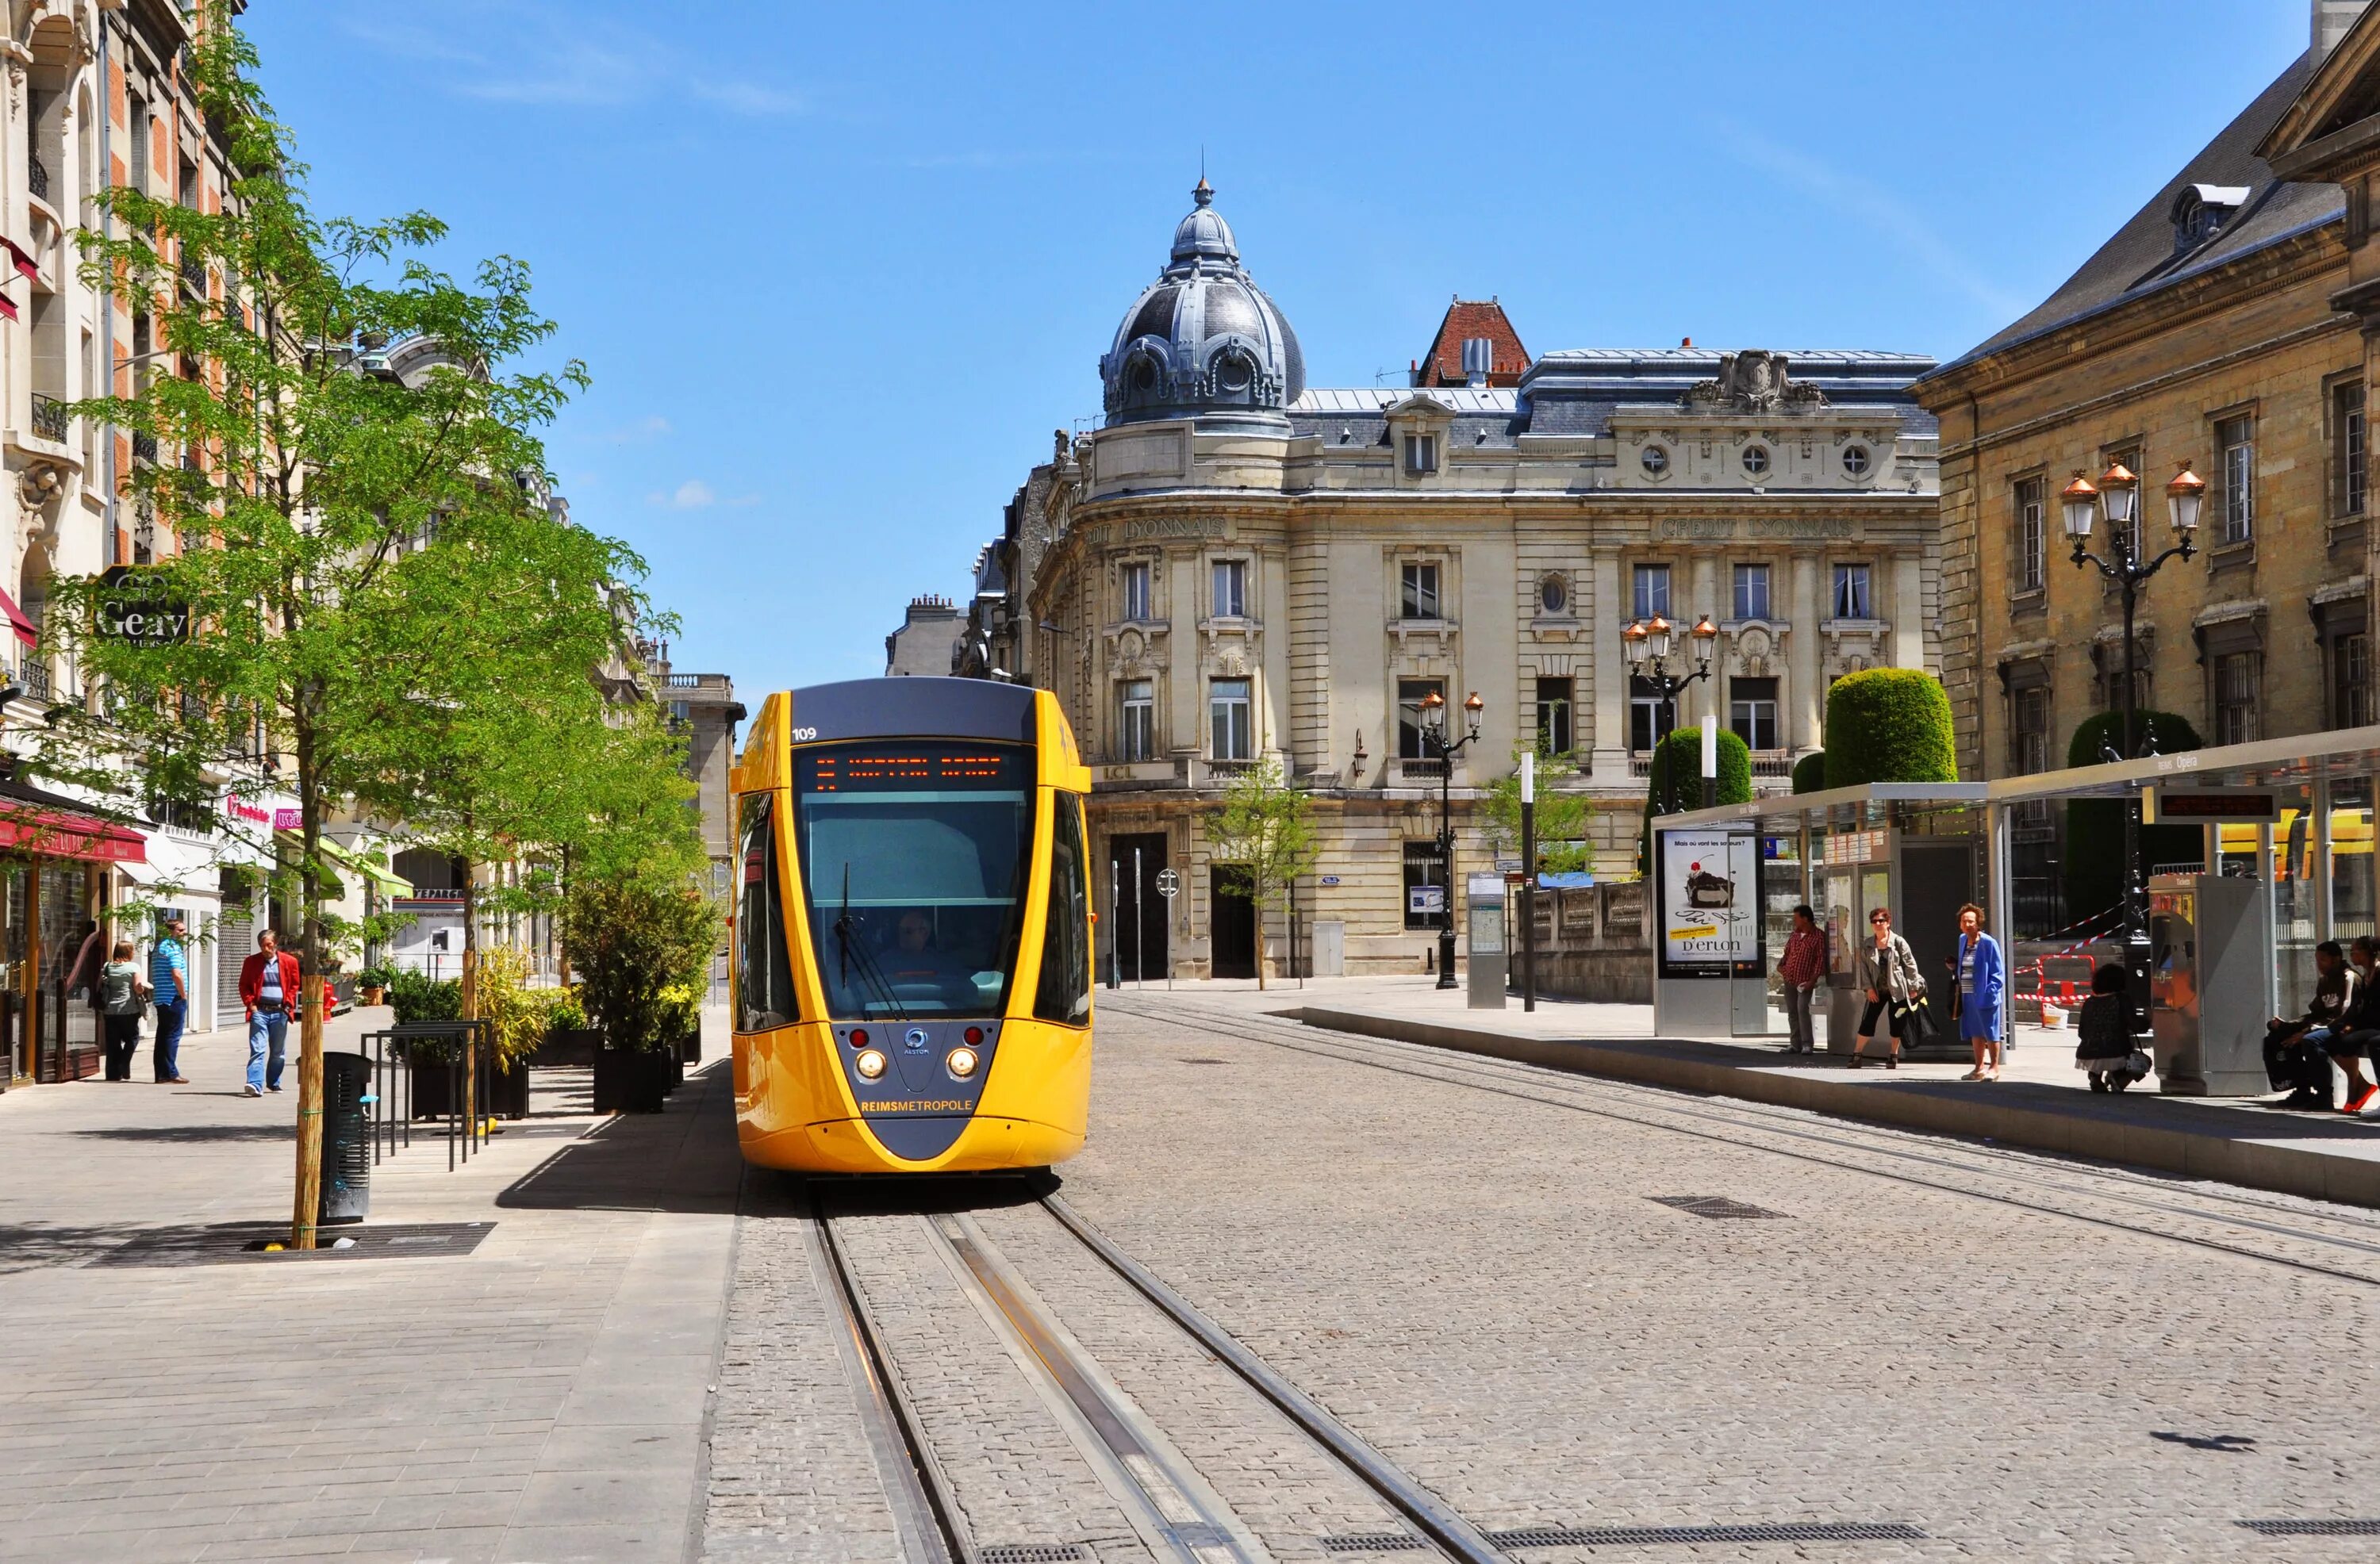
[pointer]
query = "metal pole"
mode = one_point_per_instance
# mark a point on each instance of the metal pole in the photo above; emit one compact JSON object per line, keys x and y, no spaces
{"x":1139,"y":969}
{"x":1711,"y":760}
{"x":2136,"y":929}
{"x":1115,"y":944}
{"x":1446,"y":864}
{"x":1529,"y":880}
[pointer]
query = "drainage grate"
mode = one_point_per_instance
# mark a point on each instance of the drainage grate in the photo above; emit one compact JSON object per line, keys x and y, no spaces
{"x":1032,"y":1553}
{"x":1204,"y":1062}
{"x":238,"y":1242}
{"x":2313,"y":1528}
{"x":1373,"y":1541}
{"x":1641,"y":1537}
{"x":1712,"y":1205}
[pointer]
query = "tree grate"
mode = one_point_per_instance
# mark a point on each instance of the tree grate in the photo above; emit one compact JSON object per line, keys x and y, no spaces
{"x":238,"y":1242}
{"x":1373,"y":1541}
{"x":2340,"y":1528}
{"x":1032,"y":1553}
{"x":1642,"y":1536}
{"x":1713,"y":1205}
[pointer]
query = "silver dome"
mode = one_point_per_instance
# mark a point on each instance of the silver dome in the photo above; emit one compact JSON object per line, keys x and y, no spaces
{"x":1203,"y":340}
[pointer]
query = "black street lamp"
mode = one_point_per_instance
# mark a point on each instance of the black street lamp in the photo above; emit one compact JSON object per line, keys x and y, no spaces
{"x":2119,"y":494}
{"x":1433,"y":741}
{"x":1648,"y":658}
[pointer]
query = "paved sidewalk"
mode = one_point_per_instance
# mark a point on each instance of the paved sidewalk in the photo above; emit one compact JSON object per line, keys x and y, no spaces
{"x":543,"y":1396}
{"x":2044,"y":1103}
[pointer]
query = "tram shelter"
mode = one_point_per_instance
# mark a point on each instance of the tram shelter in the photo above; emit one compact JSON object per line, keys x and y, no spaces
{"x":2293,"y":815}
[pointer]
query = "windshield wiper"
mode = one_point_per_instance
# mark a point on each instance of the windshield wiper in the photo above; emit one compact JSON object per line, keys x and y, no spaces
{"x":848,"y":946}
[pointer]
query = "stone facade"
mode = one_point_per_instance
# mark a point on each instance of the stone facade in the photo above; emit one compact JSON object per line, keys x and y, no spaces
{"x":1265,"y":571}
{"x":703,"y":709}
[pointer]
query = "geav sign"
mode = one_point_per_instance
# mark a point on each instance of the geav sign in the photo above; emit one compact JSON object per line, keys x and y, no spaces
{"x":137,"y":613}
{"x":1709,"y":900}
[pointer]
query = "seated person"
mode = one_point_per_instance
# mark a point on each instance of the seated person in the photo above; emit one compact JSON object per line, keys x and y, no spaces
{"x":2294,"y":1055}
{"x":2359,"y":1031}
{"x":917,"y":959}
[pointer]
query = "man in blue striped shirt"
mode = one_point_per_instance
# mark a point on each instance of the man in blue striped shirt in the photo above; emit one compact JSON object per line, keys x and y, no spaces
{"x":169,"y":973}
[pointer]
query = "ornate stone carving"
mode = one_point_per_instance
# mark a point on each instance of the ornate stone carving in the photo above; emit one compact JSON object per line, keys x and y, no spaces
{"x":1753,"y":381}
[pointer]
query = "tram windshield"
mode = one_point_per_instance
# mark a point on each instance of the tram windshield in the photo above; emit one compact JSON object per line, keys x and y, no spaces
{"x":914,"y":856}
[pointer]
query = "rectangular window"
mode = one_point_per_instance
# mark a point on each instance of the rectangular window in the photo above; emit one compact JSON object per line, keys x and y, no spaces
{"x":1424,"y":873}
{"x":1421,"y":454}
{"x":1851,"y":599}
{"x":1553,"y":716}
{"x":1751,"y":712}
{"x":138,"y":133}
{"x":2236,"y":677}
{"x":1137,"y":721}
{"x":2032,"y":538}
{"x":1410,"y":696}
{"x":1136,"y":591}
{"x":1752,"y":591}
{"x":1651,"y":591}
{"x":2347,"y":442}
{"x":1064,"y":995}
{"x":1231,"y":589}
{"x":1418,"y":592}
{"x":189,"y":195}
{"x":1227,"y":720}
{"x":2029,"y":730}
{"x":764,"y":978}
{"x":2132,"y":462}
{"x":2235,"y":441}
{"x":1649,"y":717}
{"x":2350,"y":681}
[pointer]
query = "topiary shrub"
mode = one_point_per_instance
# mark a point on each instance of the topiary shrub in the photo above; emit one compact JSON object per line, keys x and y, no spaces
{"x":2095,"y":826}
{"x":1810,"y":773}
{"x":1679,"y":758}
{"x":1889,"y":724}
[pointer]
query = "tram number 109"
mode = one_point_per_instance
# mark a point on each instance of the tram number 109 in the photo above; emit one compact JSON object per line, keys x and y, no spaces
{"x":805,"y":736}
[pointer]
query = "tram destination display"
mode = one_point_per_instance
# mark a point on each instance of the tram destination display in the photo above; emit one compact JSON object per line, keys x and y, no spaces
{"x":1708,"y":891}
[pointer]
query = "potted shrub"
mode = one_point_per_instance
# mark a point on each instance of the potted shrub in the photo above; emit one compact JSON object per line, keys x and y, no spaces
{"x":569,"y":1040}
{"x":417,"y":997}
{"x":632,"y":942}
{"x":372,"y":985}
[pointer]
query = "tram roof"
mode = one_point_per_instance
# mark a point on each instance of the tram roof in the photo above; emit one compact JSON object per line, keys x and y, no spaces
{"x":920,"y":706}
{"x":2299,"y":758}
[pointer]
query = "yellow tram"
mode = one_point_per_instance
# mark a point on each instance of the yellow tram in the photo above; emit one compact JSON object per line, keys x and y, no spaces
{"x":911,"y":932}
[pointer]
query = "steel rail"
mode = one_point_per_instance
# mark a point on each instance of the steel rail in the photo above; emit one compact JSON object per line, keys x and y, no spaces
{"x":1448,"y":1531}
{"x":1463,"y":1070}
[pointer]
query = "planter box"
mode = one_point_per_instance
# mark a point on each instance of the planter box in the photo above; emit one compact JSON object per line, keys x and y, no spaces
{"x":630,"y":1082}
{"x":690,"y":1050}
{"x":571,"y":1050}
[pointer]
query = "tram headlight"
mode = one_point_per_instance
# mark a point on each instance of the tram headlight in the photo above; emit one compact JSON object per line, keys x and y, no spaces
{"x":962,"y":1062}
{"x":871,"y":1064}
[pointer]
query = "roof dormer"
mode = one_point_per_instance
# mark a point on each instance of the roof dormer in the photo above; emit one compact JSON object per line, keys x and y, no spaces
{"x":2199,"y":211}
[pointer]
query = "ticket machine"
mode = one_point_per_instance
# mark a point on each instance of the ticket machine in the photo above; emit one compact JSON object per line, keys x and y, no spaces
{"x":2210,"y":988}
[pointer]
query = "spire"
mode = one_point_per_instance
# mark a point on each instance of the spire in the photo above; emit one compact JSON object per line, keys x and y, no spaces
{"x":1204,"y":194}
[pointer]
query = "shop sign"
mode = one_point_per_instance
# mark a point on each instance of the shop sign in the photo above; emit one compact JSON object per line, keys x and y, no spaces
{"x":136,"y":612}
{"x":1707,"y":890}
{"x":275,"y":817}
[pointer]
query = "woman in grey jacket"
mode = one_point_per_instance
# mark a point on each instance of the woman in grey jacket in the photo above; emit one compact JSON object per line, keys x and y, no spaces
{"x":1887,"y":970}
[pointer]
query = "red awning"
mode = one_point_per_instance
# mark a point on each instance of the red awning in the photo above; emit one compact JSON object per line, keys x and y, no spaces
{"x":25,"y":262}
{"x":7,"y":307}
{"x":26,"y":631}
{"x":62,"y":833}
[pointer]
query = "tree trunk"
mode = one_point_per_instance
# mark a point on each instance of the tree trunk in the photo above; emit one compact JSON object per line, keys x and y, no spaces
{"x":310,"y":996}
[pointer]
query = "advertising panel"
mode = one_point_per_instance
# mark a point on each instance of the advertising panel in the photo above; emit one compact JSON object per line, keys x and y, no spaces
{"x":1708,"y":891}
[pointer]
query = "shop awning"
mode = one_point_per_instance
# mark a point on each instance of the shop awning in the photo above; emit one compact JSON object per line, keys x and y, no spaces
{"x":26,"y":631}
{"x":25,"y":262}
{"x":65,"y":833}
{"x":390,"y":884}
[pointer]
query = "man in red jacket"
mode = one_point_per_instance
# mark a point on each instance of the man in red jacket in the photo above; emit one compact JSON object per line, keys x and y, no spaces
{"x":1801,"y":970}
{"x":268,"y":987}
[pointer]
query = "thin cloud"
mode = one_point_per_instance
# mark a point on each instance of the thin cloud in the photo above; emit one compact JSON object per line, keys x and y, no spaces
{"x":692,"y":495}
{"x":637,"y":431}
{"x":1863,"y":202}
{"x":540,"y":56}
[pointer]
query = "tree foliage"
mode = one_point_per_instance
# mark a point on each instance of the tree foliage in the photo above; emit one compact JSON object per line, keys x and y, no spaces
{"x":1561,"y":821}
{"x":1889,"y":724}
{"x":1265,"y":829}
{"x":1810,"y":773}
{"x":636,"y":944}
{"x":1676,"y":780}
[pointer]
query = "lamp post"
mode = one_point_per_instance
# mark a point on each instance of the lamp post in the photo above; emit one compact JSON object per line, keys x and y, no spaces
{"x":2118,"y":494}
{"x":1434,"y":739}
{"x":1648,"y":642}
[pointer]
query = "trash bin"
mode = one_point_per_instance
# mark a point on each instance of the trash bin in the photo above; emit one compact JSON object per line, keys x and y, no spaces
{"x":346,"y":1139}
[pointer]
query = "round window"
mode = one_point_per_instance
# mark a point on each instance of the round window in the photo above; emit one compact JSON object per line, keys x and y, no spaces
{"x":1656,"y":460}
{"x":1233,"y":373}
{"x":1554,"y":593}
{"x":1755,"y":459}
{"x":1855,"y":460}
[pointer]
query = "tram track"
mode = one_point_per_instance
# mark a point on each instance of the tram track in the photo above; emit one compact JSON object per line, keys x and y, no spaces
{"x":2328,"y":1243}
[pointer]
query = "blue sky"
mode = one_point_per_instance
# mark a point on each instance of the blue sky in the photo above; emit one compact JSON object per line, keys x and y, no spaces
{"x":838,"y":272}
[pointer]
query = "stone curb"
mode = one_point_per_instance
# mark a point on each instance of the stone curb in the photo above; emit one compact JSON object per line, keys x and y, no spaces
{"x":2165,"y":1133}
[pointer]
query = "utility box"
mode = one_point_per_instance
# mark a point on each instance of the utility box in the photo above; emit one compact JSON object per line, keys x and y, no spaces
{"x":1330,"y":947}
{"x":2211,"y":943}
{"x":1485,"y":911}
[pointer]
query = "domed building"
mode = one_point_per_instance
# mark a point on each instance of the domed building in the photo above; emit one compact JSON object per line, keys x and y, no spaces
{"x":1203,"y":341}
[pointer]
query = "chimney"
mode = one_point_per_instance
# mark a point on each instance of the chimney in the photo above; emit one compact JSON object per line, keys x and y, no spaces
{"x":2332,"y":18}
{"x":1478,"y":360}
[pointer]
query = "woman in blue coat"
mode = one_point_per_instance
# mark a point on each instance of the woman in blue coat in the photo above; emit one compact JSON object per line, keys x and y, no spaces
{"x":1983,"y":993}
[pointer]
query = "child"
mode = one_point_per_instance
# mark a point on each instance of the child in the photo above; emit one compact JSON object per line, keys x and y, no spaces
{"x":2106,"y":1048}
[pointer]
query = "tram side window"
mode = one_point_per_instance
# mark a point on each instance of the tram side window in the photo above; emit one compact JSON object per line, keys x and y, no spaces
{"x":1065,"y":993}
{"x":764,"y":996}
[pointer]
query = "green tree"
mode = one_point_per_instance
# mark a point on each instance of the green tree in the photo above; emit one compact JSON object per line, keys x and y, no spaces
{"x":1675,"y":782}
{"x":1561,"y":816}
{"x":1889,"y":724}
{"x":2093,"y":870}
{"x":633,"y":941}
{"x":1264,"y":831}
{"x":1810,"y":773}
{"x":303,"y":478}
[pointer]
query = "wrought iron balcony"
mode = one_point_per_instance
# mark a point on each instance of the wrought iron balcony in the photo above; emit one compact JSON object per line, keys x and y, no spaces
{"x":194,"y":275}
{"x":35,"y":676}
{"x":37,"y":175}
{"x":48,"y":416}
{"x":144,"y":447}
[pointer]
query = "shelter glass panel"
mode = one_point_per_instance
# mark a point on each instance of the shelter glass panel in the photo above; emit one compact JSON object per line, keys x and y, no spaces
{"x":2294,"y":908}
{"x":2352,"y":899}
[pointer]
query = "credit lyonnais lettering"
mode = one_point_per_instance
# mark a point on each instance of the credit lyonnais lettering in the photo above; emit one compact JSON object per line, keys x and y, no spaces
{"x":1813,"y":528}
{"x":1175,"y":527}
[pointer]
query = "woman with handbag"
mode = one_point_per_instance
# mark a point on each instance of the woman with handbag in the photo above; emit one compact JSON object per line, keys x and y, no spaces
{"x":1887,"y":970}
{"x":1981,"y":984}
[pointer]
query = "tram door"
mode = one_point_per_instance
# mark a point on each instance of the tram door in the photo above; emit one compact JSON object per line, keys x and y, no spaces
{"x":1139,"y":929}
{"x":1230,"y":922}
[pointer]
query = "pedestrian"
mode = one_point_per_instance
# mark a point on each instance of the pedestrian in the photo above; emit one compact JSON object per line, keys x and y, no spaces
{"x":268,"y":987}
{"x":2104,"y":1031}
{"x":119,"y":991}
{"x":1800,"y":968}
{"x":169,"y":982}
{"x":1980,"y":995}
{"x":1887,"y":970}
